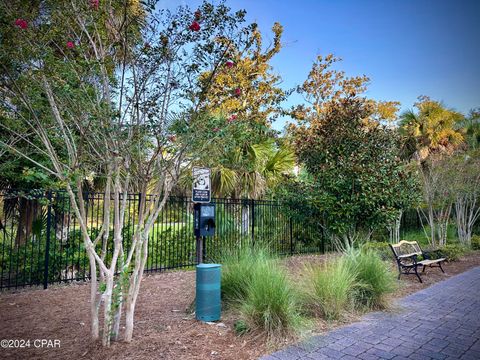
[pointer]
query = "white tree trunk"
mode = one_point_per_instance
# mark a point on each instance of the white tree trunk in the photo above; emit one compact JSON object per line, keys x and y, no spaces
{"x":107,"y":310}
{"x":466,"y":215}
{"x":95,"y":328}
{"x":442,"y":216}
{"x":134,"y":288}
{"x":430,"y":222}
{"x":395,"y":229}
{"x":245,"y":220}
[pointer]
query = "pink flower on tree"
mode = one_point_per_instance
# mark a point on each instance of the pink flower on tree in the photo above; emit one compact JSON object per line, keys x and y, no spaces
{"x":232,"y":118}
{"x":195,"y":26}
{"x":21,"y":23}
{"x":237,"y":92}
{"x":216,"y":129}
{"x":94,"y":4}
{"x":229,"y":64}
{"x":70,"y":44}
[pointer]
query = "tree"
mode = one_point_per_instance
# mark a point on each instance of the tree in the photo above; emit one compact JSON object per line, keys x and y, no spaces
{"x":20,"y":179}
{"x":432,"y":128}
{"x":359,"y":180}
{"x":325,"y":85}
{"x":465,"y":179}
{"x":470,"y":128}
{"x":431,"y":134}
{"x":247,"y":172}
{"x":437,"y":194}
{"x":249,"y":78}
{"x":121,"y":99}
{"x":253,"y":161}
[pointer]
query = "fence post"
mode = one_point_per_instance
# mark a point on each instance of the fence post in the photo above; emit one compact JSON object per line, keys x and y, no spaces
{"x":47,"y":246}
{"x":252,"y":204}
{"x":323,"y":239}
{"x":291,"y":236}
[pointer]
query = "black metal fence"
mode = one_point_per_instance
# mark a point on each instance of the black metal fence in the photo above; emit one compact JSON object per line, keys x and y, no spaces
{"x":41,"y":241}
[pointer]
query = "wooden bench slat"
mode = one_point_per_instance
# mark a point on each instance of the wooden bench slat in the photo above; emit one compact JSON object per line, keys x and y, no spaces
{"x":428,"y":262}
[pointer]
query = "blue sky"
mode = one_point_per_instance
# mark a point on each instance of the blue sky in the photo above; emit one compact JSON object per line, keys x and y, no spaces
{"x":407,"y":47}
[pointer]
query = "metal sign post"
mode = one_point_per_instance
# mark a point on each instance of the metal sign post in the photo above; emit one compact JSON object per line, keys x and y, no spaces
{"x":201,"y":193}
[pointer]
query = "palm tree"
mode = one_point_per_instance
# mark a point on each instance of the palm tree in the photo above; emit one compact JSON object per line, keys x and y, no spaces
{"x":430,"y":133}
{"x":431,"y":129}
{"x":249,"y":172}
{"x":470,"y":127}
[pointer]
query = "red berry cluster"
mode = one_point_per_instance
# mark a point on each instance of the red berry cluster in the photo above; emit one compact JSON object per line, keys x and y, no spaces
{"x":94,"y":4}
{"x":21,"y":23}
{"x":195,"y":26}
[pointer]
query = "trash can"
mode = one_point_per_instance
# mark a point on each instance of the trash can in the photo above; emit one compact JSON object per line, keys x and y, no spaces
{"x":207,"y":300}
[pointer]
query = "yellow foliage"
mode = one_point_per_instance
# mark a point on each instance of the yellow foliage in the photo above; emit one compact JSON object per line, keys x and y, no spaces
{"x":245,"y":85}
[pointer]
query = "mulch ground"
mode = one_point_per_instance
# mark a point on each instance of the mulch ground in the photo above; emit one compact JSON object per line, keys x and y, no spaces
{"x":164,"y":327}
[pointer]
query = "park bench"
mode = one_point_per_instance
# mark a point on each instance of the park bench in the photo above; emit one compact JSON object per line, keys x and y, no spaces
{"x":406,"y":254}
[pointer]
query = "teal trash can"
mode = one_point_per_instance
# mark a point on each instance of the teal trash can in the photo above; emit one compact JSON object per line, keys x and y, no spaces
{"x":207,"y":300}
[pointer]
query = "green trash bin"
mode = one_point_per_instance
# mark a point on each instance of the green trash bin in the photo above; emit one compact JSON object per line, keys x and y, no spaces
{"x":207,"y":300}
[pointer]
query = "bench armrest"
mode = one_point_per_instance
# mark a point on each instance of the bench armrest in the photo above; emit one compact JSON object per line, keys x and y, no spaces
{"x":411,"y":255}
{"x":407,"y":259}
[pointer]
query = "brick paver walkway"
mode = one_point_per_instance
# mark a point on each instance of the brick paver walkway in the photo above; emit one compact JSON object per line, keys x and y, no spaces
{"x":439,"y":322}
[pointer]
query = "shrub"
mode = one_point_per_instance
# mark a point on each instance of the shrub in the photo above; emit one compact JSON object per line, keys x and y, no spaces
{"x":374,"y":277}
{"x":476,"y":242}
{"x":452,"y":252}
{"x":271,"y":304}
{"x":329,"y":288}
{"x":381,"y":248}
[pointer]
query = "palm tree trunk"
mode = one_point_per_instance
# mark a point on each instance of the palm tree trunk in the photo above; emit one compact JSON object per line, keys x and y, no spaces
{"x":28,"y":209}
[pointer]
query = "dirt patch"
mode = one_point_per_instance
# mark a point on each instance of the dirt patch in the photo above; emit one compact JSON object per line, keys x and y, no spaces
{"x":164,"y":329}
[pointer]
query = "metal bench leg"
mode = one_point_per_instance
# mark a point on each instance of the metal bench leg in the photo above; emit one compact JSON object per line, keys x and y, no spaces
{"x":441,"y":268}
{"x":423,"y":270}
{"x":418,"y":276}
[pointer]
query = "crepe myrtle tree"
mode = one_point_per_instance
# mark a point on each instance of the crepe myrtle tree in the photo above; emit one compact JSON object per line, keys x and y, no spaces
{"x":466,"y":187}
{"x":458,"y":182}
{"x":438,"y":192}
{"x":111,"y":90}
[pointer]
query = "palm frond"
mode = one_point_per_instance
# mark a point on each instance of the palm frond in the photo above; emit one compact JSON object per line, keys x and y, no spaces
{"x":224,"y":181}
{"x":281,"y":162}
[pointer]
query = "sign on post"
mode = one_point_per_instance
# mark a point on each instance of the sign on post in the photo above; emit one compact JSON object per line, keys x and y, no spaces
{"x":201,"y":190}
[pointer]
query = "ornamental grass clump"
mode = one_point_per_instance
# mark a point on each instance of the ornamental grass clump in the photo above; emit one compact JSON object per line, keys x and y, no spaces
{"x":238,"y":268}
{"x":257,"y":288}
{"x":374,"y":278}
{"x":329,"y":289}
{"x":271,"y":304}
